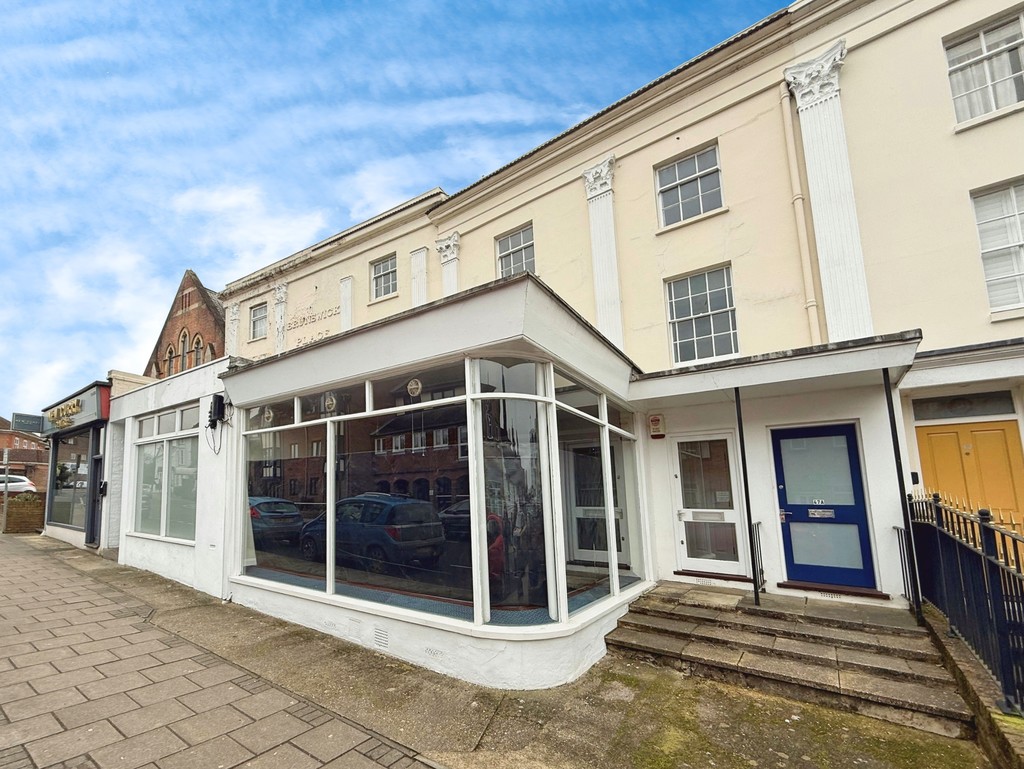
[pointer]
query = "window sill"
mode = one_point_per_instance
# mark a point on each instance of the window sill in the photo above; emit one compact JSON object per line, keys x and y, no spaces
{"x":988,"y":117}
{"x":693,"y":220}
{"x":256,"y":339}
{"x":1010,"y":314}
{"x":380,"y":299}
{"x":702,"y":361}
{"x":164,"y":540}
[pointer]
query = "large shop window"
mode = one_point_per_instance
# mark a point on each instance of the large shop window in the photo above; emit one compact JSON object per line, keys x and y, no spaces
{"x":70,"y":486}
{"x":460,"y":524}
{"x":167,"y":463}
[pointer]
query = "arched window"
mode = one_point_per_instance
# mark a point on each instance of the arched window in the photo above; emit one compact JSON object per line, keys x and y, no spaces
{"x":170,"y":360}
{"x":421,"y":489}
{"x":184,"y":349}
{"x":197,"y":350}
{"x":211,"y":354}
{"x":401,"y":486}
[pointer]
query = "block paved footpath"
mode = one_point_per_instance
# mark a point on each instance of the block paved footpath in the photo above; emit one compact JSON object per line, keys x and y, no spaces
{"x":86,"y":682}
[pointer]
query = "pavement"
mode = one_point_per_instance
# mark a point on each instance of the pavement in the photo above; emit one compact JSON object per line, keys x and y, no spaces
{"x":105,"y":666}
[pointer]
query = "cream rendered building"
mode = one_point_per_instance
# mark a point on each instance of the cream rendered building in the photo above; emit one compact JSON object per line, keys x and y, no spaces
{"x":709,"y":334}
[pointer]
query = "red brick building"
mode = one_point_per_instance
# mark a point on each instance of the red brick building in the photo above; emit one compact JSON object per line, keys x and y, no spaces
{"x":193,"y":332}
{"x":28,"y":454}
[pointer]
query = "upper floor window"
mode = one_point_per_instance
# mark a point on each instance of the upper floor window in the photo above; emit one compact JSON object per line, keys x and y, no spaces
{"x":385,"y":277}
{"x":258,"y":321}
{"x":690,"y":186}
{"x":515,"y":252}
{"x":1000,"y":218}
{"x":702,"y":316}
{"x":985,"y":69}
{"x":398,"y":444}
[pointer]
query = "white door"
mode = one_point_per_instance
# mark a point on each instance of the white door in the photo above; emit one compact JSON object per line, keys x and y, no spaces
{"x":588,"y":530}
{"x":708,"y":514}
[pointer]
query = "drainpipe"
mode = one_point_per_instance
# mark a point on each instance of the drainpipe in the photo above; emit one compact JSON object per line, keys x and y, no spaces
{"x":810,"y":299}
{"x":755,"y":565}
{"x":915,"y":585}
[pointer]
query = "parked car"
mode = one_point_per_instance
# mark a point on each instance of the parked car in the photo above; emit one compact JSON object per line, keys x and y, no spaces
{"x":380,"y":531}
{"x":16,"y":484}
{"x":274,"y":520}
{"x":455,"y":520}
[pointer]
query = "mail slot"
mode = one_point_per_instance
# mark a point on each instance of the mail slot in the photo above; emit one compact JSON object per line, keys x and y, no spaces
{"x":817,"y":512}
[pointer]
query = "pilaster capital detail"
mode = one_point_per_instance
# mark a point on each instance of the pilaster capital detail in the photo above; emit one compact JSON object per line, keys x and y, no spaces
{"x":812,"y":82}
{"x":234,"y":309}
{"x":448,"y":248}
{"x":280,"y":293}
{"x":598,"y":180}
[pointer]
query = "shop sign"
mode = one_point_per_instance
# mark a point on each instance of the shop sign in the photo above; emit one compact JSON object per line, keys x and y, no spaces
{"x":82,"y":409}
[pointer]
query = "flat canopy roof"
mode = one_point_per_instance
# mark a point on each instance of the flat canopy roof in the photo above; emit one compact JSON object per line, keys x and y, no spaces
{"x":512,"y":316}
{"x":836,"y":365}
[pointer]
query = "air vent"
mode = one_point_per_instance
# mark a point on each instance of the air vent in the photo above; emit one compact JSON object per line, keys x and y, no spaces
{"x":705,"y":581}
{"x":435,"y":653}
{"x":381,"y":638}
{"x":830,"y":595}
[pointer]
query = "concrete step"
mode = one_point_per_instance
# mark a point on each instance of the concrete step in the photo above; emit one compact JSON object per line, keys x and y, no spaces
{"x":908,"y":646}
{"x":822,"y":651}
{"x":931,"y":706}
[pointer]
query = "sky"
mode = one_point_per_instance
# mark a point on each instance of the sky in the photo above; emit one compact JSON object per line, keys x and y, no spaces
{"x":140,"y":139}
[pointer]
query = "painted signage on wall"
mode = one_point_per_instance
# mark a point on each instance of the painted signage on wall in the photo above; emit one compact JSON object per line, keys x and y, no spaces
{"x":306,"y":317}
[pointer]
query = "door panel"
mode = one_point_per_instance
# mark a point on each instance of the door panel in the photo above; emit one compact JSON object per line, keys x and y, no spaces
{"x":979,"y":462}
{"x":822,"y":509}
{"x":708,"y":525}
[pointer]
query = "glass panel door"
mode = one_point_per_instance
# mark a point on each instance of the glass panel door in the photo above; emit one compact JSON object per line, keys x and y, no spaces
{"x":708,"y":516}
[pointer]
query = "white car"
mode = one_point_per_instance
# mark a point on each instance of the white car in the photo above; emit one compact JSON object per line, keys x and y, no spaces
{"x":15,"y":484}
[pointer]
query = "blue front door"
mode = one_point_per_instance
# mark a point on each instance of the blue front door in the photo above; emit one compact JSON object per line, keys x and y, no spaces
{"x":821,"y":506}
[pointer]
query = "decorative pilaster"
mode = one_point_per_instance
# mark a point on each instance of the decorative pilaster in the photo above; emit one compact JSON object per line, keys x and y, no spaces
{"x":603,"y":253}
{"x":280,"y":305}
{"x":448,"y":251}
{"x":418,"y":271}
{"x":345,"y":303}
{"x":815,"y":85}
{"x":231,"y":331}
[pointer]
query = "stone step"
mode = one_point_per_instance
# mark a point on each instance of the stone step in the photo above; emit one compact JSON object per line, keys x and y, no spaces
{"x":877,"y":660}
{"x":922,"y":705}
{"x":916,"y":646}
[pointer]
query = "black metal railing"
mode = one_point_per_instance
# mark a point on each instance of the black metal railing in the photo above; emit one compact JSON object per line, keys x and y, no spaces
{"x":758,"y":569}
{"x":970,"y":570}
{"x":911,"y":589}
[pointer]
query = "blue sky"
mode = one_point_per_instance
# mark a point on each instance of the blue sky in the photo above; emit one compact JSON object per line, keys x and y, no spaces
{"x":138,"y":139}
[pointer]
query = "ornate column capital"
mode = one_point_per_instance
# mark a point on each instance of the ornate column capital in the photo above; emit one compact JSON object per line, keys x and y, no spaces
{"x":817,"y":80}
{"x":448,"y":248}
{"x":280,"y":293}
{"x":598,"y":179}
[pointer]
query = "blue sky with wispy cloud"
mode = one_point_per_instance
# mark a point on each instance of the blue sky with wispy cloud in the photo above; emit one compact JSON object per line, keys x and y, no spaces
{"x":139,"y":139}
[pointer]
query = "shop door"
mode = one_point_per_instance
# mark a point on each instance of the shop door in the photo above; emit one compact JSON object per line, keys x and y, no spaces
{"x":588,"y":534}
{"x":979,"y":462}
{"x":822,"y":510}
{"x":708,"y":516}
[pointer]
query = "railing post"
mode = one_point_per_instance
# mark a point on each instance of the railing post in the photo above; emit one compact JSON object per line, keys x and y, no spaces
{"x":994,"y":583}
{"x":945,"y":608}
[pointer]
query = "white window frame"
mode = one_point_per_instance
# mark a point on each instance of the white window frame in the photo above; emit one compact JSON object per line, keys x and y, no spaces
{"x":258,"y":321}
{"x":983,"y":64}
{"x":515,"y":251}
{"x":419,"y":441}
{"x":398,"y":444}
{"x":441,"y":437}
{"x":1010,"y":223}
{"x":380,"y":446}
{"x":672,"y":180}
{"x":166,"y":439}
{"x":706,"y":321}
{"x":384,"y":277}
{"x":463,"y":440}
{"x":316,"y":448}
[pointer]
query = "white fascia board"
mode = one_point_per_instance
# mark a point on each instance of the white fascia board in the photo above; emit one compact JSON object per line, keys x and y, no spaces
{"x":1009,"y":371}
{"x":830,"y":369}
{"x":185,"y":387}
{"x":519,"y":316}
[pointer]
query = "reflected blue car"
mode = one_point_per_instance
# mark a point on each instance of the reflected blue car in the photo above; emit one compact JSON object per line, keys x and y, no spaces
{"x":380,"y":531}
{"x":274,"y":520}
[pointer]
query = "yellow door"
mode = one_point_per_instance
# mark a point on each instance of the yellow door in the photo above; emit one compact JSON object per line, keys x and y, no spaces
{"x":980,"y":462}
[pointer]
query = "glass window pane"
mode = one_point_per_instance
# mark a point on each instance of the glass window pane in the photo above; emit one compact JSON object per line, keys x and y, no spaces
{"x":147,"y":427}
{"x":705,"y":475}
{"x":672,"y":215}
{"x":707,"y":159}
{"x":165,"y":423}
{"x":572,"y":393}
{"x":70,"y":487}
{"x":270,"y":415}
{"x":190,"y":418}
{"x":149,"y":488}
{"x":713,"y":541}
{"x":182,"y":471}
{"x":687,"y":167}
{"x":827,"y":544}
{"x":508,"y":375}
{"x":666,"y":176}
{"x":817,"y":468}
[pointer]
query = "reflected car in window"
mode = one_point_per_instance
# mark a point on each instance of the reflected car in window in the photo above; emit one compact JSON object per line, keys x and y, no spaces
{"x":455,"y":520}
{"x":16,"y":484}
{"x":274,"y":520}
{"x":380,"y":531}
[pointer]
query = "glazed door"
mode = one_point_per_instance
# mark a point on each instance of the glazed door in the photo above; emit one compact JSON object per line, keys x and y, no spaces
{"x":588,"y":535}
{"x":980,"y":462}
{"x":708,"y":516}
{"x":822,"y":509}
